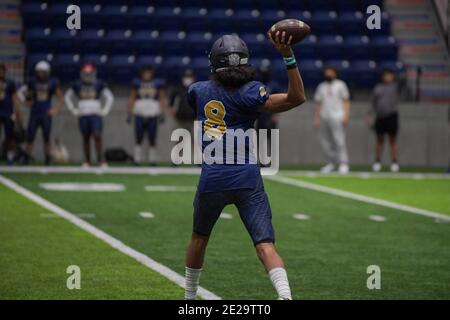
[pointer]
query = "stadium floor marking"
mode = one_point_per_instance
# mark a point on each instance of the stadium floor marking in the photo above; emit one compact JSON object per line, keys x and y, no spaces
{"x":196,"y":171}
{"x":300,"y":216}
{"x":113,"y":242}
{"x":82,"y":186}
{"x":147,"y":215}
{"x":359,"y":197}
{"x":226,"y":216}
{"x":377,"y":218}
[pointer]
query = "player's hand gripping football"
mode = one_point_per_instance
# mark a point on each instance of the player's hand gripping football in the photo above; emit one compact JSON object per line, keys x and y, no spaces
{"x":282,"y":43}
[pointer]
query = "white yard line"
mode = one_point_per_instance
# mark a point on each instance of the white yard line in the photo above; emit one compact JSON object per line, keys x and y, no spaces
{"x":369,"y":175}
{"x":113,"y":242}
{"x":359,"y":197}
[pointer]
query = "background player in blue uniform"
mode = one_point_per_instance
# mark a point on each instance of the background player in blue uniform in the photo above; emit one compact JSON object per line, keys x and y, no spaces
{"x":90,"y":110}
{"x":9,"y":112}
{"x":39,"y":95}
{"x":147,"y":101}
{"x":232,"y":100}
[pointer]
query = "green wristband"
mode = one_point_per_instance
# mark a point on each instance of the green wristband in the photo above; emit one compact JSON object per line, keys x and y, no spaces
{"x":289,"y":61}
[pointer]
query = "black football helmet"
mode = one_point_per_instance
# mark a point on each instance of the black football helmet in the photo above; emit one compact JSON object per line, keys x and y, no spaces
{"x":227,"y":52}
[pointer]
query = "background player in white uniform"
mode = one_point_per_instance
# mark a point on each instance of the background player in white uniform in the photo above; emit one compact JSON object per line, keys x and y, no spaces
{"x":88,"y":92}
{"x":146,"y":101}
{"x":331,"y":116}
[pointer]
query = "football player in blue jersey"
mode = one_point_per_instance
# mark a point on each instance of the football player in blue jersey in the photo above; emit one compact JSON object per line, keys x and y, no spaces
{"x":9,"y":112}
{"x":147,"y":101}
{"x":39,"y":93}
{"x":232,"y":100}
{"x":89,"y":91}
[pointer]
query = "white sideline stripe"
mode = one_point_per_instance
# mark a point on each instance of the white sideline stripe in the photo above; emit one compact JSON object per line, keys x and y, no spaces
{"x":359,"y":197}
{"x":196,"y":171}
{"x":98,"y":170}
{"x":113,"y":242}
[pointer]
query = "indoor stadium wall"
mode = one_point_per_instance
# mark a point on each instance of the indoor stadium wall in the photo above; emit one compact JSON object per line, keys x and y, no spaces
{"x":424,"y":135}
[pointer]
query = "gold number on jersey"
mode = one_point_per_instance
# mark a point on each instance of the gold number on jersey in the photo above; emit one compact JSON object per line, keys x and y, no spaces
{"x":214,"y":125}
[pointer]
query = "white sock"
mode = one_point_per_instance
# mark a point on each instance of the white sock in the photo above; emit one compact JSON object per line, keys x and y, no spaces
{"x":279,"y":279}
{"x":138,"y":153}
{"x":192,"y":281}
{"x":152,"y":155}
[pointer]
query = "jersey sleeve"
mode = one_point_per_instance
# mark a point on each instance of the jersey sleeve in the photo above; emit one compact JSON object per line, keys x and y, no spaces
{"x":254,"y":95}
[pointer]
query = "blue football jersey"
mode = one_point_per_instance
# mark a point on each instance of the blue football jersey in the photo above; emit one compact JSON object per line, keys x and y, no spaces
{"x":223,"y":113}
{"x":148,"y":89}
{"x":42,"y":94}
{"x":88,"y":91}
{"x":7,"y":89}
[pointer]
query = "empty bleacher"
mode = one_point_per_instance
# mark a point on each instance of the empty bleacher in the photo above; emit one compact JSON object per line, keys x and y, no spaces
{"x":119,"y":36}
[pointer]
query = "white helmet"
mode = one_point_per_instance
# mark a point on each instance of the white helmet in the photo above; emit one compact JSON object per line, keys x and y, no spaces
{"x":42,"y":66}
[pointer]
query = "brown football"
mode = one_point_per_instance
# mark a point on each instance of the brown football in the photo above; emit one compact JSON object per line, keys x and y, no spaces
{"x":293,"y":27}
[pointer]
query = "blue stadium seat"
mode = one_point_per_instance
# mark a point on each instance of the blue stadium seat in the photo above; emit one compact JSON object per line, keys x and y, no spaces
{"x":200,"y":65}
{"x":146,"y":42}
{"x":92,"y":41}
{"x":172,"y":67}
{"x":35,"y":14}
{"x":64,"y":41}
{"x":357,"y":48}
{"x":174,"y":42}
{"x":384,"y":47}
{"x":330,"y":47}
{"x":168,"y":18}
{"x":222,"y":21}
{"x":67,"y":66}
{"x":115,"y":17}
{"x":311,"y":72}
{"x":199,"y":43}
{"x":321,"y":5}
{"x":37,"y":39}
{"x":121,"y":68}
{"x":325,"y":22}
{"x":195,"y":19}
{"x":352,"y":23}
{"x":248,"y":20}
{"x":349,"y":5}
{"x":257,"y":43}
{"x":119,"y":41}
{"x":142,"y":17}
{"x":362,"y":74}
{"x":308,"y":48}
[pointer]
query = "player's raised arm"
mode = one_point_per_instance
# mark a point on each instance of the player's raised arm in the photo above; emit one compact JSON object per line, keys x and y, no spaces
{"x":295,"y":95}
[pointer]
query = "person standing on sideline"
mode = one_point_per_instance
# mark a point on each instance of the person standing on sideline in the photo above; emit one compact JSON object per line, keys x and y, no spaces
{"x":385,"y":99}
{"x":331,"y":117}
{"x":179,"y":104}
{"x":39,"y":93}
{"x":94,"y":101}
{"x":9,"y":113}
{"x":147,"y":100}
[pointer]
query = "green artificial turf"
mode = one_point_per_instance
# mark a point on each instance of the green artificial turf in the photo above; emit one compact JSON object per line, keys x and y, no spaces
{"x":430,"y":194}
{"x":36,"y":248}
{"x":326,"y":256}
